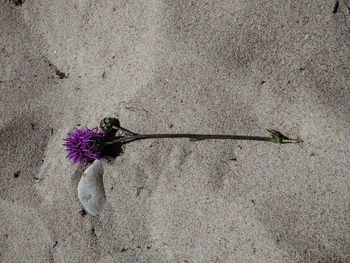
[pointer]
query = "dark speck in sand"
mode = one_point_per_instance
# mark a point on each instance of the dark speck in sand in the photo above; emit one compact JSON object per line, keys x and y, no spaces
{"x":59,"y":73}
{"x":18,"y":2}
{"x":93,"y":232}
{"x":17,"y":174}
{"x":82,"y":212}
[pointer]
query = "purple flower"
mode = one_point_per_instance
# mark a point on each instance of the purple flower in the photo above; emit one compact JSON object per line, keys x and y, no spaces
{"x":85,"y":146}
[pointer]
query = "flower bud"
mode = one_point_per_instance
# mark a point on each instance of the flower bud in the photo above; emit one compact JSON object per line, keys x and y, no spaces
{"x":110,"y":124}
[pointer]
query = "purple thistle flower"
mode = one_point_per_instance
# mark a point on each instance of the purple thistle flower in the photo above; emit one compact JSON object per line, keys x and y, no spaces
{"x":85,"y":146}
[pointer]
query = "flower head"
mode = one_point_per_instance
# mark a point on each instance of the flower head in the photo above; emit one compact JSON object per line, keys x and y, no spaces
{"x":85,"y":146}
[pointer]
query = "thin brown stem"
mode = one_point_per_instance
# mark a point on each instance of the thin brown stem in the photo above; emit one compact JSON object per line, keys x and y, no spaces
{"x":195,"y":137}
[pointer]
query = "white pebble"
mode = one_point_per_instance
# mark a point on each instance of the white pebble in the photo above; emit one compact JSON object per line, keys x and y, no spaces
{"x":91,"y":192}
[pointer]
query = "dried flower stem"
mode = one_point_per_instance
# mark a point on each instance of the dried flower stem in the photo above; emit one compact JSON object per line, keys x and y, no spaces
{"x":276,"y":137}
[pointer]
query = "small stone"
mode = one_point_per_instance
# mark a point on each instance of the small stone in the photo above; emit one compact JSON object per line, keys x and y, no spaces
{"x":91,"y":192}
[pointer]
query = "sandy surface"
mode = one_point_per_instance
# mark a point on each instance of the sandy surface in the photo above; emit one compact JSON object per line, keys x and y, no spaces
{"x":229,"y":67}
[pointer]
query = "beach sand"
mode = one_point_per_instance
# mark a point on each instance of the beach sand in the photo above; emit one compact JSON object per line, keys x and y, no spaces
{"x":220,"y":67}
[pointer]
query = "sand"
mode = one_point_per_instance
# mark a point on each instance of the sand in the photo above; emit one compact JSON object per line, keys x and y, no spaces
{"x":227,"y":67}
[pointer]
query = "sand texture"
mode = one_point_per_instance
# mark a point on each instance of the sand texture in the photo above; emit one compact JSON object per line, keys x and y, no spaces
{"x":161,"y":66}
